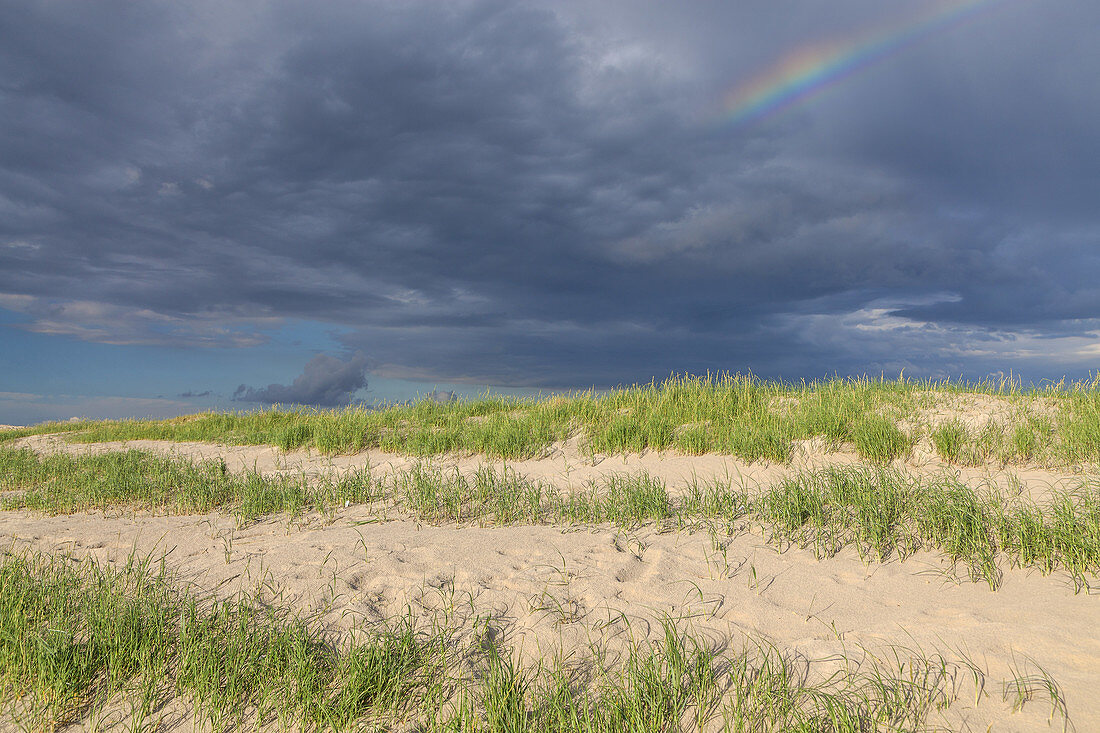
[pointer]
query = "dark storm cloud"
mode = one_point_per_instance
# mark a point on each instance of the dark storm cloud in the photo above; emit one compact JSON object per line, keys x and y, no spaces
{"x":537,"y":194}
{"x":326,"y":381}
{"x":190,"y":394}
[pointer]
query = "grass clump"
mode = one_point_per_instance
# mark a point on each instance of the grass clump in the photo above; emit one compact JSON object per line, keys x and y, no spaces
{"x":674,"y":684}
{"x":1079,"y":427}
{"x":879,"y":439}
{"x":134,"y":479}
{"x":501,"y":497}
{"x":883,"y":513}
{"x":77,"y":638}
{"x":949,"y":440}
{"x":1025,"y":440}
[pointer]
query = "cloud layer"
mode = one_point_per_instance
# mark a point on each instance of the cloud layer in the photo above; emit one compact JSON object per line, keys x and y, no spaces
{"x":326,"y":381}
{"x":538,"y":194}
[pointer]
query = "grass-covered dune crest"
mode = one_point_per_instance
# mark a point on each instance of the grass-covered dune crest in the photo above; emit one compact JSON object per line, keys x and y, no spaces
{"x":734,"y":414}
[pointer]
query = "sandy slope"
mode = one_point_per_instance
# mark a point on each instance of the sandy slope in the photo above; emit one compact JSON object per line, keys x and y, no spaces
{"x":567,"y":466}
{"x":553,"y":591}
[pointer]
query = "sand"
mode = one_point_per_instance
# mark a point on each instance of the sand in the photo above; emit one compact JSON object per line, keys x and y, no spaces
{"x":566,"y":466}
{"x":553,"y":591}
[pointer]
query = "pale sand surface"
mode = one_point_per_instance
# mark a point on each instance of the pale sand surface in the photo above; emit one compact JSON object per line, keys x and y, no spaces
{"x":553,"y":591}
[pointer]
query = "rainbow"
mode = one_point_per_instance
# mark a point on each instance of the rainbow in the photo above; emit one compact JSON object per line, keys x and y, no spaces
{"x":809,"y":71}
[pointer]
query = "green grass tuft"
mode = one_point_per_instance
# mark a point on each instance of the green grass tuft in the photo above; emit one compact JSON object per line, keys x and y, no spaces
{"x":879,"y":439}
{"x":74,"y":638}
{"x":949,"y":440}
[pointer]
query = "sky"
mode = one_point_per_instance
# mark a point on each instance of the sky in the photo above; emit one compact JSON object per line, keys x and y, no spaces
{"x":224,"y":205}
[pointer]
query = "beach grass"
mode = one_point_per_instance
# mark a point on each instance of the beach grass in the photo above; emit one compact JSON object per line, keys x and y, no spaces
{"x":881,"y":512}
{"x":76,"y":638}
{"x":138,"y":480}
{"x":128,"y":645}
{"x":739,"y":415}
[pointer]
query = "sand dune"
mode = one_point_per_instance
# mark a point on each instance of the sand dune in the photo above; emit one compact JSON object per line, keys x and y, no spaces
{"x":567,"y":466}
{"x":553,"y":591}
